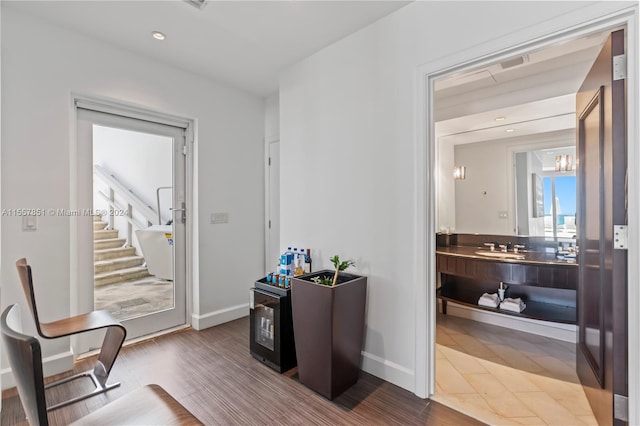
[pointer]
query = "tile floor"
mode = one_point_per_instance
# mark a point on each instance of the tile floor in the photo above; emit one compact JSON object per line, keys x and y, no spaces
{"x":507,"y":377}
{"x":134,"y":298}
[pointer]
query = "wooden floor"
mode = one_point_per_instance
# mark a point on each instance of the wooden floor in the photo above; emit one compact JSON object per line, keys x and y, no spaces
{"x":212,"y":374}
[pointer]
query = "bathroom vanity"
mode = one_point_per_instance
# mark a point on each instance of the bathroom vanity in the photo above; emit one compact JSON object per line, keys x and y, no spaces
{"x":546,"y":284}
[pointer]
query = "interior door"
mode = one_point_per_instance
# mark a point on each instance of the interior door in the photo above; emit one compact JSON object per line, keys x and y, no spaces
{"x":167,"y":240}
{"x":602,"y":283}
{"x":273,"y":249}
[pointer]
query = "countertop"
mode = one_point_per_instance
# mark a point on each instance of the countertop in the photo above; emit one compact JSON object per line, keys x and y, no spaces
{"x":532,"y":257}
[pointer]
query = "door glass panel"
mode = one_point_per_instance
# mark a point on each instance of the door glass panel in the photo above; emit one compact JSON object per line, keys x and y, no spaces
{"x":264,"y":326}
{"x":590,"y":255}
{"x":133,"y":249}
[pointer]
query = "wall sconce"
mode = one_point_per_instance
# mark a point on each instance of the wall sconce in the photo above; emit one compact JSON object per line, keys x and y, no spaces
{"x":459,"y":172}
{"x":564,"y":163}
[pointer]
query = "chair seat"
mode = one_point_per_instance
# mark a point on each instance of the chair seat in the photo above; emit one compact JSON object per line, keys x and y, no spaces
{"x":149,"y":405}
{"x":77,"y":324}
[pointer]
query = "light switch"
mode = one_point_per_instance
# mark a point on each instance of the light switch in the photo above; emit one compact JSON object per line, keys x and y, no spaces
{"x":29,"y":223}
{"x":218,"y":218}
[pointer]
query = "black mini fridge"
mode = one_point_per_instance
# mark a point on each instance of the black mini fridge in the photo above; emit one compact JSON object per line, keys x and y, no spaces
{"x":271,"y":326}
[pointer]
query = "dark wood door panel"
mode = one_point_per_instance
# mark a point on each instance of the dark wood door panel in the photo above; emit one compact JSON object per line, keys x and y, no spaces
{"x":602,"y":281}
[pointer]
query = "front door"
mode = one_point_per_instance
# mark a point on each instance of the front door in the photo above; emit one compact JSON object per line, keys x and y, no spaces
{"x":602,"y":283}
{"x":132,"y":252}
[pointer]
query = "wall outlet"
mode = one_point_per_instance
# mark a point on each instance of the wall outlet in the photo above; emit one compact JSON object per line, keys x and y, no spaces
{"x":502,"y":215}
{"x":29,"y":223}
{"x":218,"y":218}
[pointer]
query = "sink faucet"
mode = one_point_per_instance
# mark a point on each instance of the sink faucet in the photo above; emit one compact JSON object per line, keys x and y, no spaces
{"x":492,"y":246}
{"x":504,"y":247}
{"x":517,"y":248}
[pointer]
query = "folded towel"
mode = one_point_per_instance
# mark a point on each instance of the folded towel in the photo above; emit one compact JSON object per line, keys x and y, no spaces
{"x":490,"y":300}
{"x":513,"y":305}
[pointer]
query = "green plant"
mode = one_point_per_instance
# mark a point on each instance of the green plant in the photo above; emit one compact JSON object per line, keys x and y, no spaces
{"x":339,"y":265}
{"x":323,"y":280}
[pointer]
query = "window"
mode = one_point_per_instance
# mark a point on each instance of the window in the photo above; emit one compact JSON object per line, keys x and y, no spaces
{"x":560,"y":206}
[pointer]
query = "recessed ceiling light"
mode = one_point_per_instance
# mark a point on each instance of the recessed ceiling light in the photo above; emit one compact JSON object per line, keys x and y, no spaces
{"x":500,"y":118}
{"x":510,"y":130}
{"x":158,"y":35}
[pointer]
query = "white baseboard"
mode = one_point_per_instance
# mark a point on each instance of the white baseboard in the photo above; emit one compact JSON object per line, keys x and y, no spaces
{"x":554,"y":330}
{"x":51,"y":365}
{"x":211,"y":319}
{"x":388,"y":371}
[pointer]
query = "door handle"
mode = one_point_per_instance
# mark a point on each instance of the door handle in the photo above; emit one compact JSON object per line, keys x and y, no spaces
{"x":183,"y":216}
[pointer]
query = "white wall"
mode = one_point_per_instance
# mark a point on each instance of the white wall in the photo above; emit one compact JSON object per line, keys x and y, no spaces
{"x":121,"y":152}
{"x":1,"y":354}
{"x":42,"y":65}
{"x":522,"y":185}
{"x":446,"y":188}
{"x":347,"y":126}
{"x":484,"y":193}
{"x":272,"y":119}
{"x":536,"y":224}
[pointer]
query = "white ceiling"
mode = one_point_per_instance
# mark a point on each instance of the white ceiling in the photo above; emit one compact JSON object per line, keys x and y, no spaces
{"x":248,"y":43}
{"x":242,"y":43}
{"x":547,"y":78}
{"x":544,"y":116}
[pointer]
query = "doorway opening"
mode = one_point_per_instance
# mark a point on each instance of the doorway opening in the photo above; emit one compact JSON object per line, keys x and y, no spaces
{"x":133,"y":232}
{"x":132,"y":248}
{"x":482,"y":357}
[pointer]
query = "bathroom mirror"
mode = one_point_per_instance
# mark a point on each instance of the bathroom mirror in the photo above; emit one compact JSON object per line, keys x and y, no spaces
{"x":494,"y":123}
{"x":509,"y":185}
{"x":545,"y":192}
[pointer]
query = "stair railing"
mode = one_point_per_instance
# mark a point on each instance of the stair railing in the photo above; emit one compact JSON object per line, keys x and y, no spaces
{"x":158,"y":200}
{"x":133,"y":202}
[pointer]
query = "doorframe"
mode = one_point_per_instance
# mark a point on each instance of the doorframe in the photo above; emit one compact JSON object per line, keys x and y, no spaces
{"x":78,"y":273}
{"x":268,"y":261}
{"x":424,"y":249}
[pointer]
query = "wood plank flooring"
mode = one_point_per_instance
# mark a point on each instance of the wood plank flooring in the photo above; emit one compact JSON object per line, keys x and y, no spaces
{"x":212,"y":374}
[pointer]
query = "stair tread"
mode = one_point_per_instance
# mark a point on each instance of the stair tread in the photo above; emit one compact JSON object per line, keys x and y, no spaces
{"x":110,"y":240}
{"x":113,"y":249}
{"x":99,"y":226}
{"x":104,"y":234}
{"x":113,"y":261}
{"x":119,"y":272}
{"x":123,"y":259}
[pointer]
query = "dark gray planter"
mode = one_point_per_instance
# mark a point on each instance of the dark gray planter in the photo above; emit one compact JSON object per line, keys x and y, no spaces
{"x":328,"y":327}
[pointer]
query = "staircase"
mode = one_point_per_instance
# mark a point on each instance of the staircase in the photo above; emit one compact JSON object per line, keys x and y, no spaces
{"x":113,"y":262}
